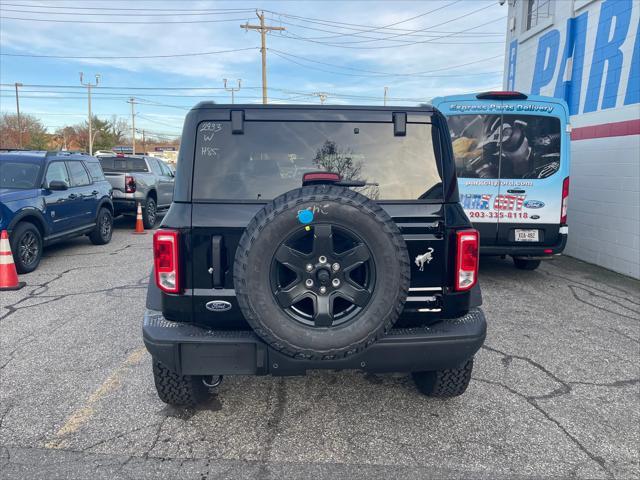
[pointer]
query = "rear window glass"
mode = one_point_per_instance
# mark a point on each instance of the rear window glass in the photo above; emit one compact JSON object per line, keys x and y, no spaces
{"x":505,"y":146}
{"x":95,"y":171}
{"x":270,"y":158}
{"x":16,"y":174}
{"x":123,"y":164}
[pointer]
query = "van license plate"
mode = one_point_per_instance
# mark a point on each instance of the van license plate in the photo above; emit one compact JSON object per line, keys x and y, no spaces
{"x":526,"y":235}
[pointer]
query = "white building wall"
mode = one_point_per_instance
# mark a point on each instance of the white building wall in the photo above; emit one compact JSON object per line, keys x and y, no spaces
{"x":604,"y":202}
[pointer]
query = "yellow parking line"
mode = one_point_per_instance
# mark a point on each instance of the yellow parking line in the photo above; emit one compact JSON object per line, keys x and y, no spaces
{"x":78,"y":418}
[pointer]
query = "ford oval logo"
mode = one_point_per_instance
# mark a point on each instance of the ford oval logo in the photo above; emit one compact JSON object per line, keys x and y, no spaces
{"x":218,"y":306}
{"x":534,"y":217}
{"x":533,"y":204}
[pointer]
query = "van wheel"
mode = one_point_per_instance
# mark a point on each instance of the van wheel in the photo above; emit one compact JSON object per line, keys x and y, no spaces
{"x":26,"y":246}
{"x":178,"y":390}
{"x":149,"y":213}
{"x":444,"y":383}
{"x":103,"y":230}
{"x":524,"y":264}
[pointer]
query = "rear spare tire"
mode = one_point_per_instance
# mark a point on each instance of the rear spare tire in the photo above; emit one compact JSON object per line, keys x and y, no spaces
{"x":321,"y":273}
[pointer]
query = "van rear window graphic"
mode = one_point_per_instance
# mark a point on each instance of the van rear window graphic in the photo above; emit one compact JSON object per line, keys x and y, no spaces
{"x":505,"y":146}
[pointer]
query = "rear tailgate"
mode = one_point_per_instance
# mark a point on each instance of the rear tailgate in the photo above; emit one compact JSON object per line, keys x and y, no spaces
{"x":117,"y":181}
{"x":213,"y":250}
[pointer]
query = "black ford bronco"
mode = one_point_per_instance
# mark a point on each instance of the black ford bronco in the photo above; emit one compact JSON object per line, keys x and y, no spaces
{"x":307,"y":238}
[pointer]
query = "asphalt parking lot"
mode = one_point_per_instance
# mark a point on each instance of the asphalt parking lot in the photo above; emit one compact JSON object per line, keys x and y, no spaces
{"x":555,"y":390}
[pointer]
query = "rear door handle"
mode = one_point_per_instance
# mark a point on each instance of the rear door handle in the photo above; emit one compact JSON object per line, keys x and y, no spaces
{"x":515,"y":191}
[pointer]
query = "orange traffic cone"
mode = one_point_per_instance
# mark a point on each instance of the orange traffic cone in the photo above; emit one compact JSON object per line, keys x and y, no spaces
{"x":8,"y":274}
{"x":139,"y":225}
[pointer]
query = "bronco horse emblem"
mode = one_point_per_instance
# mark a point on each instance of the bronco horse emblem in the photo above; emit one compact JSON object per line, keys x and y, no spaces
{"x":424,"y":258}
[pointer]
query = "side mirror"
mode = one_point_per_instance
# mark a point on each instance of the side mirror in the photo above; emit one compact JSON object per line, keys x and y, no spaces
{"x":57,"y":185}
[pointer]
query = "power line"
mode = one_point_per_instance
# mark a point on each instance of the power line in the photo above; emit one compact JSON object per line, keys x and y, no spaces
{"x":417,"y":42}
{"x":128,"y":9}
{"x":295,"y":36}
{"x":145,"y":14}
{"x":154,"y":22}
{"x":344,"y":25}
{"x":420,"y":33}
{"x":384,"y":74}
{"x":426,"y":28}
{"x":401,"y":21}
{"x":119,"y":57}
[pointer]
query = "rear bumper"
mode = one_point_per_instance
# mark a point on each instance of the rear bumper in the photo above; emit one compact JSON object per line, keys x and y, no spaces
{"x":540,"y":251}
{"x":125,"y":205}
{"x":191,"y":350}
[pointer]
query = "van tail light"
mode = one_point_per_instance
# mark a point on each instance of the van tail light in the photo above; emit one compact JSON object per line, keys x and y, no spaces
{"x":166,"y":260}
{"x":467,"y":258}
{"x":565,"y":199}
{"x":129,"y":184}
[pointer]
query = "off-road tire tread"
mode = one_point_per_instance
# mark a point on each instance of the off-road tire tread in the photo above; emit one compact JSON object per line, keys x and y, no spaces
{"x":283,"y":203}
{"x":145,"y":220}
{"x":178,"y":390}
{"x":444,"y":383}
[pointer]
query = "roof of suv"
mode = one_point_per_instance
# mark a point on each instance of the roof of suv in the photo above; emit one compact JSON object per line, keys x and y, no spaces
{"x":38,"y":156}
{"x":244,"y":106}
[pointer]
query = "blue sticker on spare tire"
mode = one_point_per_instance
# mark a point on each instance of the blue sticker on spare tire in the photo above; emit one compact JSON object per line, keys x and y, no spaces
{"x":533,"y":204}
{"x":305,"y":216}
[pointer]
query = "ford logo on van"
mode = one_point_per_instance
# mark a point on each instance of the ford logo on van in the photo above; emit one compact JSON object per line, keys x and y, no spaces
{"x":218,"y":306}
{"x":533,"y":204}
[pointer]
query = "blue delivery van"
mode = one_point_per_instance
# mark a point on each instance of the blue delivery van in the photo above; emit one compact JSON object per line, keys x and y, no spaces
{"x":512,"y":160}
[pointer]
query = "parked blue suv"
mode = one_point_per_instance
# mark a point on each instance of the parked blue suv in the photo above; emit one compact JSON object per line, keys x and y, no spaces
{"x":50,"y":196}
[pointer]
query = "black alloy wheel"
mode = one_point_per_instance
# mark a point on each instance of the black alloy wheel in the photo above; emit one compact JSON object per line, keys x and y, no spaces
{"x":26,"y":245}
{"x":323,"y":277}
{"x":28,"y":248}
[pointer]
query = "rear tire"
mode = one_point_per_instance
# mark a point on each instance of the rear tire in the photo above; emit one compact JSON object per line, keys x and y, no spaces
{"x":26,"y":246}
{"x":178,"y":390}
{"x":524,"y":264}
{"x":149,"y":213}
{"x":444,"y":383}
{"x":103,"y":231}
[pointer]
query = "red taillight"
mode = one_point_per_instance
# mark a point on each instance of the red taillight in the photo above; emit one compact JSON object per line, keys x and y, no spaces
{"x":565,"y":199}
{"x":166,"y":260}
{"x":466,"y":259}
{"x":129,"y":184}
{"x":320,"y":177}
{"x":501,"y":95}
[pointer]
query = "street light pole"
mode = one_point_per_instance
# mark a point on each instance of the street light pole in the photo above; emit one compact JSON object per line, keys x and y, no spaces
{"x":231,"y":89}
{"x":132,"y":101}
{"x":89,"y":85}
{"x":386,"y":90}
{"x":18,"y":111}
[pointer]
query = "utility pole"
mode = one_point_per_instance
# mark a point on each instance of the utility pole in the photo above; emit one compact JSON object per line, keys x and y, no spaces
{"x":144,"y":143}
{"x":263,"y":38}
{"x":231,"y":89}
{"x":322,"y":96}
{"x":132,"y":101}
{"x":89,"y":85}
{"x":386,"y":90}
{"x":18,"y":111}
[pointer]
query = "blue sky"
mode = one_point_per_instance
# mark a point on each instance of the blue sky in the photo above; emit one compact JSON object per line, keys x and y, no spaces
{"x":349,"y":50}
